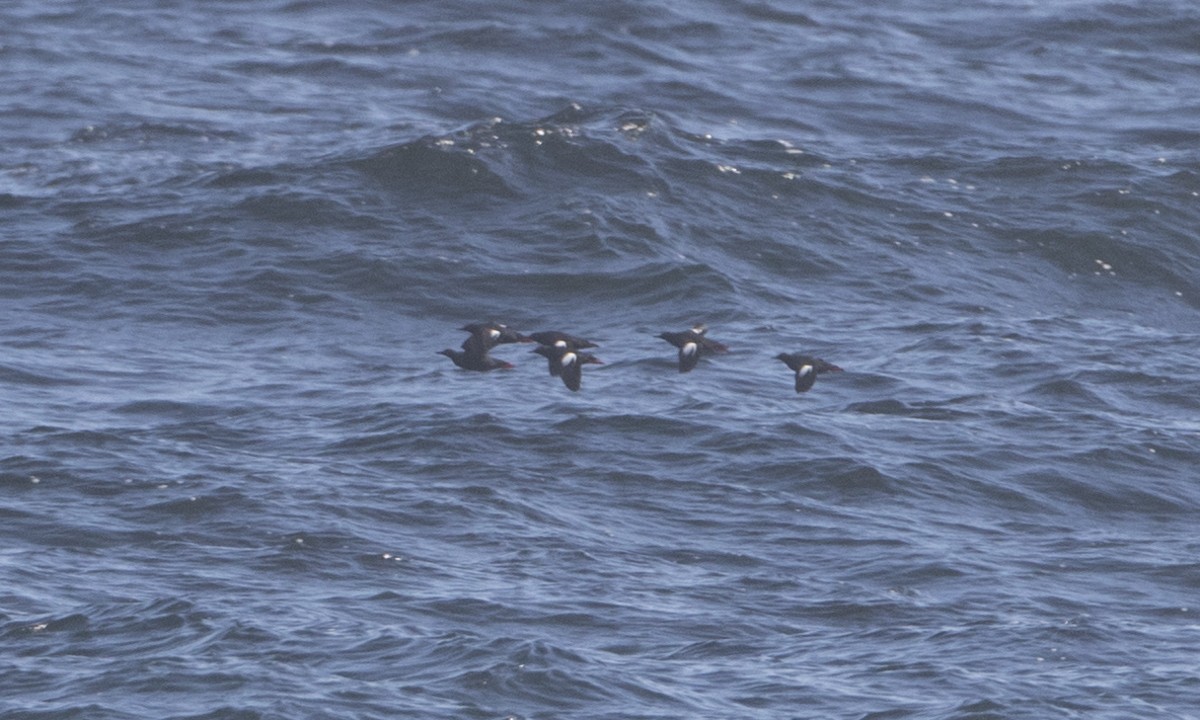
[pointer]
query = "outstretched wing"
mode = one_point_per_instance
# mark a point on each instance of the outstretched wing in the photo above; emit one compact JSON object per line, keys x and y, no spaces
{"x":481,"y":341}
{"x":571,"y":371}
{"x":806,"y":375}
{"x":689,"y":355}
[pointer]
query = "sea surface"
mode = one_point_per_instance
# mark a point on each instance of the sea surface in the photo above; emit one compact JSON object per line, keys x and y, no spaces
{"x":238,"y":483}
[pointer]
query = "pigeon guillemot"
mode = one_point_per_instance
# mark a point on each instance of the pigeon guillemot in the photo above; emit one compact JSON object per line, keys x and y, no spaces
{"x":567,"y":363}
{"x":481,"y":361}
{"x":554,"y":337}
{"x":806,"y":368}
{"x":692,"y":344}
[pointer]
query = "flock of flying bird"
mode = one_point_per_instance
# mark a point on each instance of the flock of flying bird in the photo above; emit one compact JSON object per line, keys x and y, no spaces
{"x":566,"y":358}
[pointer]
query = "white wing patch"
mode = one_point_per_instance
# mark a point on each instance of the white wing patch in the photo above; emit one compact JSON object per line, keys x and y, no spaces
{"x":568,"y":359}
{"x":690,"y":349}
{"x":804,"y":371}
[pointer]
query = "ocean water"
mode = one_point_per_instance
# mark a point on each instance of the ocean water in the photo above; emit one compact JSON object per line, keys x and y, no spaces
{"x":237,"y":482}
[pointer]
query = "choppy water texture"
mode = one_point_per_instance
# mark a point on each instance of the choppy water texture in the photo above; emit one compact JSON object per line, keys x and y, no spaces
{"x":238,"y":482}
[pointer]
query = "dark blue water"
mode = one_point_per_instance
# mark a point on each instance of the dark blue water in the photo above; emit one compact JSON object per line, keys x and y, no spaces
{"x":238,"y":483}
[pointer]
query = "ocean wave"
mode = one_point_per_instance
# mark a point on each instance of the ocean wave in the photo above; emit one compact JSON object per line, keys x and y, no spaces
{"x":240,"y":482}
